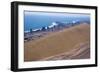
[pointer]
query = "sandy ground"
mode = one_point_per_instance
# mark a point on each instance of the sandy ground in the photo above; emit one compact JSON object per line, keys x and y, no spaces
{"x":70,"y":43}
{"x":81,"y":51}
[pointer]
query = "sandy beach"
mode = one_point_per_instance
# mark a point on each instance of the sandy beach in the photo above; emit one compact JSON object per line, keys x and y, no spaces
{"x":70,"y":43}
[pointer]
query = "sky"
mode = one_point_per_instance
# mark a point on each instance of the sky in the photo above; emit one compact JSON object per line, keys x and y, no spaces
{"x":56,"y":14}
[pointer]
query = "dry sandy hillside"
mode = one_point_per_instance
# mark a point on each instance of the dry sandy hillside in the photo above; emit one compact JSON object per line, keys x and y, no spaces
{"x":58,"y":43}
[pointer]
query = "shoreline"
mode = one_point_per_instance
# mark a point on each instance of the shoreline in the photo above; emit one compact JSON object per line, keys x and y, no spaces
{"x":34,"y":35}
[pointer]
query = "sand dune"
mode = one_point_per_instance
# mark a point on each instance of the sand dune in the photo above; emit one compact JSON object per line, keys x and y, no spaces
{"x":57,"y":43}
{"x":81,"y":51}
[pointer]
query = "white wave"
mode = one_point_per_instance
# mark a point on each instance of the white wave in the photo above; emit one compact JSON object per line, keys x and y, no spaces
{"x":53,"y":24}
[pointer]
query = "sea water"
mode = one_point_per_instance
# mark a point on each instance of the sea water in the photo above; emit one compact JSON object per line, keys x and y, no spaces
{"x":36,"y":20}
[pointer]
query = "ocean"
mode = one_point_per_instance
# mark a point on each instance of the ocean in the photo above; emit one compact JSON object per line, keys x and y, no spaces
{"x":36,"y":20}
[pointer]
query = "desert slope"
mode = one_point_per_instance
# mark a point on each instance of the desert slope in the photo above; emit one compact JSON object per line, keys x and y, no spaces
{"x":57,"y":43}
